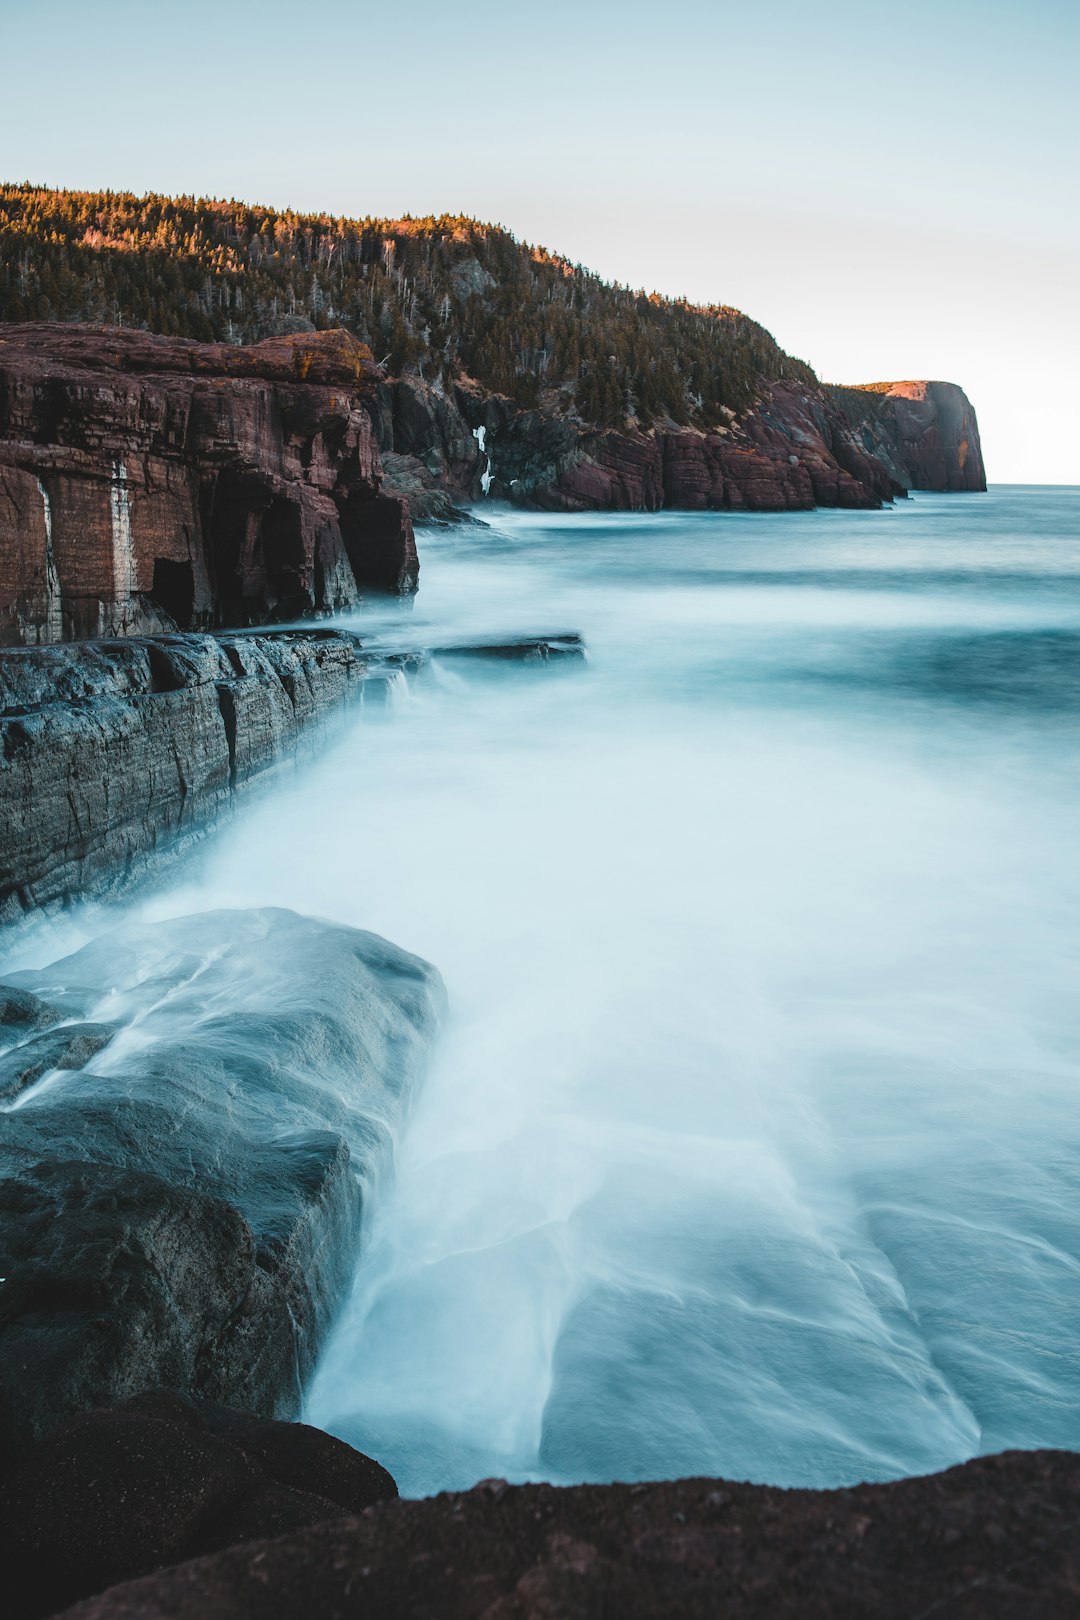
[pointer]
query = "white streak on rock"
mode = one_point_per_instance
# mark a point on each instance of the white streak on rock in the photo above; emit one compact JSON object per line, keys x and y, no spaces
{"x":480,"y":435}
{"x":52,"y":628}
{"x":123,"y":550}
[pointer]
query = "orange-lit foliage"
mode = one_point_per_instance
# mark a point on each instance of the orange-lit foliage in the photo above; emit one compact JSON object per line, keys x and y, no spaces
{"x":446,"y":296}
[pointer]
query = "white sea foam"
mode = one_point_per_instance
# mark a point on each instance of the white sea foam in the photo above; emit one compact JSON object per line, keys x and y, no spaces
{"x":752,"y":1145}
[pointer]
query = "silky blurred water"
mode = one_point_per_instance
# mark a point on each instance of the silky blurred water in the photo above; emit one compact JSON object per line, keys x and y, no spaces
{"x":752,"y":1147}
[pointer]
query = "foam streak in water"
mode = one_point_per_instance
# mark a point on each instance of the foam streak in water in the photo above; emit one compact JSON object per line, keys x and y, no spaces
{"x":752,"y":1146}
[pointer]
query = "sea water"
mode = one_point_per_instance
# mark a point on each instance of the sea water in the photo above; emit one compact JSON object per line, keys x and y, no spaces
{"x":752,"y":1144}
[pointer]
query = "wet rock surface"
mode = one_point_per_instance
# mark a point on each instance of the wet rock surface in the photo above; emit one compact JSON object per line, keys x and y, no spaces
{"x":151,"y":483}
{"x":185,"y":1210}
{"x":115,"y":756}
{"x":998,"y":1537}
{"x":70,"y":1047}
{"x":115,"y":1494}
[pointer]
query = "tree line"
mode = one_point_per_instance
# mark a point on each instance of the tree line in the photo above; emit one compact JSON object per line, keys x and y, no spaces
{"x":447,"y":297}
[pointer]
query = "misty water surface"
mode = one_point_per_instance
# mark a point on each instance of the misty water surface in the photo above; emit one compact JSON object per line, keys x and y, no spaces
{"x":753,"y":1144}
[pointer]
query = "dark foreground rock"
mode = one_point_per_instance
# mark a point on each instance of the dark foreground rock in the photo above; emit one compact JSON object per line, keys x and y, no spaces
{"x":115,"y":1494}
{"x":185,"y":1210}
{"x":151,"y":483}
{"x":997,"y":1539}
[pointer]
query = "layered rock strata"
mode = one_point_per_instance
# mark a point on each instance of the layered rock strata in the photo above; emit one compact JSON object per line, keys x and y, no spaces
{"x":151,"y":483}
{"x":115,"y":756}
{"x":800,"y":447}
{"x":183,"y":1209}
{"x":995,"y":1539}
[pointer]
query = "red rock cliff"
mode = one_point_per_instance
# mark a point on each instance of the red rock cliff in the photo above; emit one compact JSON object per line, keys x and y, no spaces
{"x":802,"y":445}
{"x":150,"y":482}
{"x":937,"y":435}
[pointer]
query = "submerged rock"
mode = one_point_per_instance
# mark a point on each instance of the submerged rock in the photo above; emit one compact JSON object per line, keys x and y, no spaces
{"x":185,"y":1210}
{"x":115,"y":1494}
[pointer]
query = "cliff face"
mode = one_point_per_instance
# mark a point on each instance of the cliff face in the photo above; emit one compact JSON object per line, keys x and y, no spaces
{"x":801,"y":446}
{"x":115,"y":755}
{"x":934,"y":427}
{"x":152,"y":483}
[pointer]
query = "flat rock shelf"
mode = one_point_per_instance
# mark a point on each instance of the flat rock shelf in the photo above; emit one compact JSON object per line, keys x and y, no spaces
{"x":116,"y":755}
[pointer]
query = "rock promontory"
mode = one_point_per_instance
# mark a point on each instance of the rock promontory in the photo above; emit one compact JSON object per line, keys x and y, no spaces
{"x":800,"y":445}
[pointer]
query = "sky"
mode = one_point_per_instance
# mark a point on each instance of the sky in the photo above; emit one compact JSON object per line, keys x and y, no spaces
{"x":891,"y":190}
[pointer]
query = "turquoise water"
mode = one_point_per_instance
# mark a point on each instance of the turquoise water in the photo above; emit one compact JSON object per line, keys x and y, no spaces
{"x":753,"y":1145}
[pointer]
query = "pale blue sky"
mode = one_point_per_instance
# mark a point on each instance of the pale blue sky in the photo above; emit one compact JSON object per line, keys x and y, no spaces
{"x":891,"y":189}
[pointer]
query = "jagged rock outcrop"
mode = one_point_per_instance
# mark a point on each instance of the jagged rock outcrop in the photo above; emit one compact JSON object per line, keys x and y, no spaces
{"x":118,"y":1493}
{"x":801,"y":446}
{"x":995,"y":1539}
{"x":184,"y":1210}
{"x":115,"y":755}
{"x":151,"y":483}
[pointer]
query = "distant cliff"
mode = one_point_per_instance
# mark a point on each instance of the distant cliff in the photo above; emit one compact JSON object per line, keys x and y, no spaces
{"x":153,"y":482}
{"x":800,"y":445}
{"x":925,"y":432}
{"x":150,"y":483}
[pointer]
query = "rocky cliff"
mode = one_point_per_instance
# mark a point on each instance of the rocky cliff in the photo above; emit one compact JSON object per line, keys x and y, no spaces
{"x":152,"y":483}
{"x":930,"y":429}
{"x":800,"y":446}
{"x":115,"y":755}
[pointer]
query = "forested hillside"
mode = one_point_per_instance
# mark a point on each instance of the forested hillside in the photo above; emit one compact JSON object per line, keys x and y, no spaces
{"x":446,"y":298}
